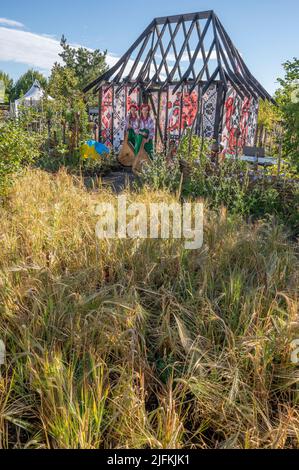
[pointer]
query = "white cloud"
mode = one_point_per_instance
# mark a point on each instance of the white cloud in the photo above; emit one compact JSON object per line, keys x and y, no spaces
{"x":28,"y":48}
{"x":36,"y":50}
{"x":41,"y":51}
{"x":12,"y":23}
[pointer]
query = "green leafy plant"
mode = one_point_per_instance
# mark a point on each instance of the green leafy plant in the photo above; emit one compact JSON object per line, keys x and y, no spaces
{"x":288,"y":99}
{"x":85,"y":64}
{"x":233,"y":186}
{"x":18,"y":148}
{"x":193,"y":147}
{"x":159,"y":175}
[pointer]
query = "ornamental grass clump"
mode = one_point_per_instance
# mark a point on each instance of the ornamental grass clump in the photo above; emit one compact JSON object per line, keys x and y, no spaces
{"x":141,"y":343}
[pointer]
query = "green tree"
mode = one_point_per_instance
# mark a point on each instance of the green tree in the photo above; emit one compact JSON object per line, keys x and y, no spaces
{"x":8,"y":83}
{"x":85,"y":63}
{"x":291,"y":77}
{"x":26,"y":81}
{"x":67,"y":113}
{"x":269,"y":115}
{"x":269,"y":126}
{"x":288,"y":98}
{"x":64,"y":84}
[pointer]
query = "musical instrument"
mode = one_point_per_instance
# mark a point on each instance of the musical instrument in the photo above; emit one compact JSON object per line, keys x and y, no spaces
{"x":141,"y":159}
{"x":126,"y":155}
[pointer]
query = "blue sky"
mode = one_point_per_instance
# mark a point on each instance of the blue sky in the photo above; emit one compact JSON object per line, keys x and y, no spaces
{"x":264,"y":31}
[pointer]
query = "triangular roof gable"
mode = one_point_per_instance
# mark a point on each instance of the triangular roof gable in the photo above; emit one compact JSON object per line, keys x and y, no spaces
{"x":188,"y":49}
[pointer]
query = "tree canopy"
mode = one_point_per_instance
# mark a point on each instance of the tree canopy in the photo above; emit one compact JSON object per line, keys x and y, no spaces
{"x":288,"y":99}
{"x":85,"y":63}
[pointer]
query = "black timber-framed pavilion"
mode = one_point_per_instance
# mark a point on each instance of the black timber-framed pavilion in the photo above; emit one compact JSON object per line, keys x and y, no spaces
{"x":178,"y":55}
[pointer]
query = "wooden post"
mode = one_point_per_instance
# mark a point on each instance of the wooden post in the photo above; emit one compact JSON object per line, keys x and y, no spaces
{"x":181,"y":113}
{"x":158,"y":119}
{"x":237,"y":135}
{"x":194,"y":123}
{"x":201,"y":125}
{"x":199,"y":116}
{"x":219,"y":110}
{"x":100,"y":115}
{"x":166,"y":121}
{"x":279,"y":155}
{"x":157,"y":127}
{"x":112,"y":120}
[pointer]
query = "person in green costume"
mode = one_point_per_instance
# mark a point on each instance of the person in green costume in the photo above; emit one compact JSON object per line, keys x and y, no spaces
{"x":146,"y":131}
{"x":132,"y":124}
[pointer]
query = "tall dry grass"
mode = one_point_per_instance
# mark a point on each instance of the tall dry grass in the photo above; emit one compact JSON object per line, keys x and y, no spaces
{"x":127,"y":344}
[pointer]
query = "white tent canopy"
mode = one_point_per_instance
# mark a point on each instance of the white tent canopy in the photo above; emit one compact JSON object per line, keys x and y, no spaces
{"x":32,"y":97}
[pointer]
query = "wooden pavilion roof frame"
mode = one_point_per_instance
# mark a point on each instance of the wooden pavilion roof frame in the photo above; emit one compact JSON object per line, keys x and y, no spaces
{"x":188,"y":50}
{"x":162,"y":62}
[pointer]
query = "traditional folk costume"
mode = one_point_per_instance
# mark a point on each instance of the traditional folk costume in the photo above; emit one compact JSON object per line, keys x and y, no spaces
{"x":137,"y":149}
{"x":127,"y":153}
{"x":146,"y":126}
{"x":132,"y":127}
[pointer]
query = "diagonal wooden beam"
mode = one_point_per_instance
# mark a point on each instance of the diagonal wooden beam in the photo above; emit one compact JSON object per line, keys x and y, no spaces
{"x":223,"y":78}
{"x":172,"y":73}
{"x":196,"y":52}
{"x":209,"y":82}
{"x":146,"y":65}
{"x":118,"y":77}
{"x":171,"y":43}
{"x":110,"y":72}
{"x":234,"y":85}
{"x":135,"y":85}
{"x":163,"y":61}
{"x":128,"y":79}
{"x":186,"y":17}
{"x":174,"y":46}
{"x":148,"y":57}
{"x":156,"y":117}
{"x":246,"y":73}
{"x":203,"y":52}
{"x":238,"y":76}
{"x":201,"y":73}
{"x":151,"y":56}
{"x":138,"y":58}
{"x":234,"y":79}
{"x":254,"y":80}
{"x":188,"y":49}
{"x":155,"y":67}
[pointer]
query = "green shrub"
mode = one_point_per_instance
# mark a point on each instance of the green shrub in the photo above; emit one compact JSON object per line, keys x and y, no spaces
{"x":231,"y":185}
{"x":194,"y":148}
{"x":18,"y":148}
{"x":159,"y":176}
